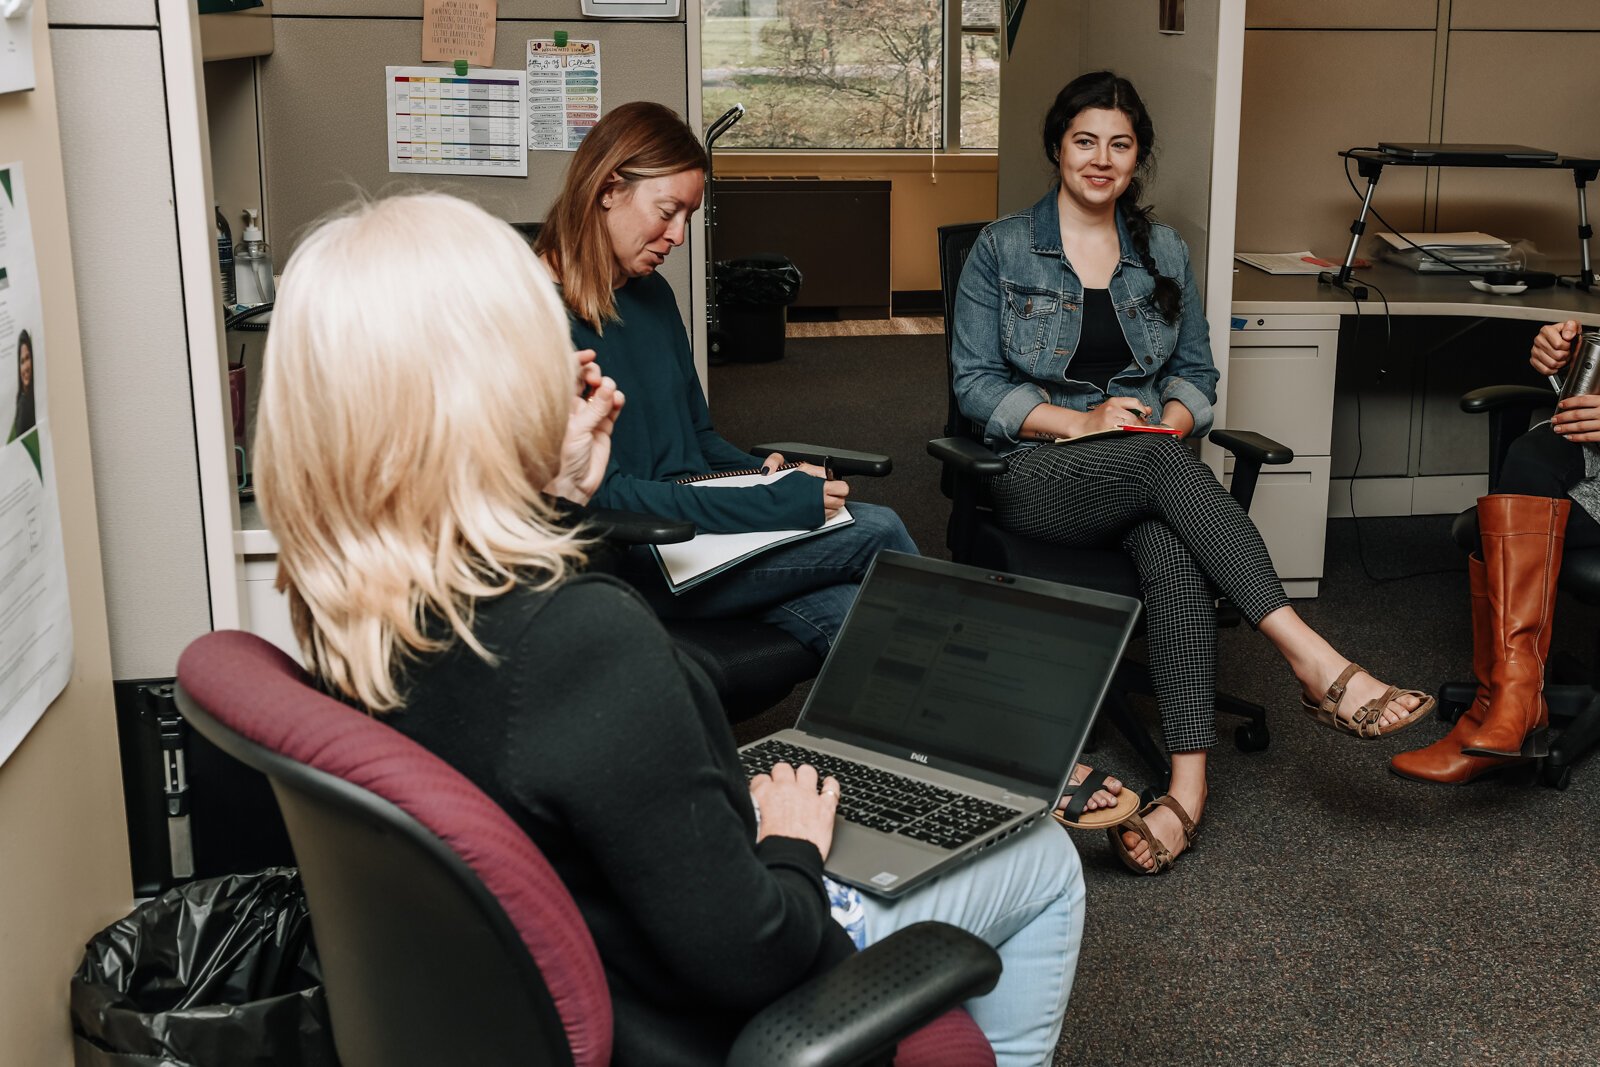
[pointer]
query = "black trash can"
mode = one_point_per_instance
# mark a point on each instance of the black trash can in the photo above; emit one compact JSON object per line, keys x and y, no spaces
{"x":753,"y":294}
{"x":217,"y":971}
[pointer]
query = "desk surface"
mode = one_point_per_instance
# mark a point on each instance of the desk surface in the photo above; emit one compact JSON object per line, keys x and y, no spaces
{"x":1259,"y":293}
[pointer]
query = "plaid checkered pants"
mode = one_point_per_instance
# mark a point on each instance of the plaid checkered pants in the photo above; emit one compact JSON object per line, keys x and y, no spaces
{"x":1188,"y":539}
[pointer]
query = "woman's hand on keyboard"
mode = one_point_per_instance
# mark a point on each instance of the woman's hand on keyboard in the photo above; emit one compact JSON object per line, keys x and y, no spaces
{"x":793,"y":804}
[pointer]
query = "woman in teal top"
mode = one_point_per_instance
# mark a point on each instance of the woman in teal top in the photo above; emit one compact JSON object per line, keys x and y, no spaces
{"x":633,"y":185}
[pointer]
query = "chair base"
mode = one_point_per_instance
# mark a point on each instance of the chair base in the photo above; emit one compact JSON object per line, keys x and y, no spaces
{"x":1576,"y":708}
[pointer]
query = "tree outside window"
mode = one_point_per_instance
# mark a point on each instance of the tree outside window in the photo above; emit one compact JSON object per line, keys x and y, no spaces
{"x":842,"y":74}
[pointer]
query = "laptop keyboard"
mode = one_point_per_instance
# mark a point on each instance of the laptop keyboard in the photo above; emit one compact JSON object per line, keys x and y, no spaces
{"x":882,"y":800}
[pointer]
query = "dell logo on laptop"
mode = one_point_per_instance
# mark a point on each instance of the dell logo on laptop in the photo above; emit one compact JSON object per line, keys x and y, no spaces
{"x":919,"y":757}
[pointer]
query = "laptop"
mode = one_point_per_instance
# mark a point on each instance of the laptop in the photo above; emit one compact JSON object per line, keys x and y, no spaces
{"x":952,"y":709}
{"x":1464,"y":153}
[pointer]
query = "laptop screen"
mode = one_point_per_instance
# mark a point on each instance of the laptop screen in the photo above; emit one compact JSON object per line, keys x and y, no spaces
{"x":992,"y":672}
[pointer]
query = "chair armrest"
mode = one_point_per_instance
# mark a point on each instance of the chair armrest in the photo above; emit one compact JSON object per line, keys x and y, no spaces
{"x":857,"y":1012}
{"x":967,"y":456}
{"x":1249,"y":445}
{"x":1250,"y":450}
{"x":634,"y":527}
{"x":1497,"y":397}
{"x":842,"y":461}
{"x":1510,"y":408}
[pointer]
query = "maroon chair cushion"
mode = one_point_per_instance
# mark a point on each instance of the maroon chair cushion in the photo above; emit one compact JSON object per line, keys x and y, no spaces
{"x":260,"y":693}
{"x":951,"y":1040}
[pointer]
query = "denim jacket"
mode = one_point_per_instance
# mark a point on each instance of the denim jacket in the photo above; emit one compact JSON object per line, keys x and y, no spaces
{"x":1019,"y":315}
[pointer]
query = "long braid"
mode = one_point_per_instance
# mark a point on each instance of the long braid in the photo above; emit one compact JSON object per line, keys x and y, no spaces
{"x":1168,"y":295}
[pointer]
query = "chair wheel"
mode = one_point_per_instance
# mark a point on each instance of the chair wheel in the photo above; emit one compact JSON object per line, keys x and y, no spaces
{"x":1556,"y":775}
{"x":1448,"y":711}
{"x":1252,"y":737}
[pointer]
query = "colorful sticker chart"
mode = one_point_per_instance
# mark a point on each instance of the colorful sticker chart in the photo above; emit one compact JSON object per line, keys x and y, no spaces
{"x":563,"y":94}
{"x":443,"y":123}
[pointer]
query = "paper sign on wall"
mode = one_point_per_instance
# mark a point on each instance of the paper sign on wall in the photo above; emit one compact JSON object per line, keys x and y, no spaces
{"x":35,"y":616}
{"x":441,"y":123}
{"x":459,"y":29}
{"x":563,"y":94}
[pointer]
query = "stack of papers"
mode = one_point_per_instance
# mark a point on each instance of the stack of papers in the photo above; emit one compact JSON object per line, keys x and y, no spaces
{"x":1470,"y":250}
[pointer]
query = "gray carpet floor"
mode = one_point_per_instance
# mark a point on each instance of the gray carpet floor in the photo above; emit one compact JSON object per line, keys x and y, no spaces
{"x":1330,"y":913}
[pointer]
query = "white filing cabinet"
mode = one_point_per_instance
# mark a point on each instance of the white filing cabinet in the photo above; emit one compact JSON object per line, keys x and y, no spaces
{"x":1280,"y":383}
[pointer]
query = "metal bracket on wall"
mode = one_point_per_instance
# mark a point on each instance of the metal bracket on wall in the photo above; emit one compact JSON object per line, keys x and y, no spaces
{"x":1171,"y":17}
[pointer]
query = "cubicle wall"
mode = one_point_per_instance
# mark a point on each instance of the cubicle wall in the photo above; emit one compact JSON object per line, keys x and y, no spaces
{"x":1341,"y":73}
{"x":1322,"y":77}
{"x":323,"y":125}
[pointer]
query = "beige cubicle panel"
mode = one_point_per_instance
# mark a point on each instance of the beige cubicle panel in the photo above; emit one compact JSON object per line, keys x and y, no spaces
{"x":1525,"y":15}
{"x":1308,"y":94}
{"x":1342,"y":14}
{"x":63,"y":841}
{"x":323,"y":119}
{"x":135,"y":347}
{"x":1047,"y":54}
{"x":1490,"y":96}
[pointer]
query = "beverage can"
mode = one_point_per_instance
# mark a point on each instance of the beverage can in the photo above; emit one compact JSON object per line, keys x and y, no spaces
{"x":1583,"y":373}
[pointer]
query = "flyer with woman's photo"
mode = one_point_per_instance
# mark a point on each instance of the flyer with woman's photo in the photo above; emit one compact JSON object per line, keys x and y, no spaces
{"x":35,"y":621}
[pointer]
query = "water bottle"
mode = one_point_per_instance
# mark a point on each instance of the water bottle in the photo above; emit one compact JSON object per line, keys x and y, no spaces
{"x":225,"y":258}
{"x":252,"y":262}
{"x":1583,"y":373}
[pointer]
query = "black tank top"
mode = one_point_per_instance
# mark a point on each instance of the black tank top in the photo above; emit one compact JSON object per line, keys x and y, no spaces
{"x":1102,"y":349}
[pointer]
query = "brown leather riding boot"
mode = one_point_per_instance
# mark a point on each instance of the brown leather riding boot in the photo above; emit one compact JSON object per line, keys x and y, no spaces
{"x":1443,"y":761}
{"x":1522,"y":541}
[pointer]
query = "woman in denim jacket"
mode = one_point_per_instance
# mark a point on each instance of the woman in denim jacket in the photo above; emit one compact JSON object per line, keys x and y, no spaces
{"x":1081,"y":316}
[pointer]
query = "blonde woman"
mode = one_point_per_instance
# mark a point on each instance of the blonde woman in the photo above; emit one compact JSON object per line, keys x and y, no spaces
{"x":417,"y":410}
{"x":629,"y":194}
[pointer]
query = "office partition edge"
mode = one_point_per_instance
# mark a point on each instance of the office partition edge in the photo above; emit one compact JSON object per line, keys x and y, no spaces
{"x":697,"y":230}
{"x":189,"y":142}
{"x":1224,"y":200}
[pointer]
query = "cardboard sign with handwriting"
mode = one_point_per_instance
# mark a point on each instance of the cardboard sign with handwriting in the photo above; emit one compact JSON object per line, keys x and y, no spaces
{"x":459,"y":29}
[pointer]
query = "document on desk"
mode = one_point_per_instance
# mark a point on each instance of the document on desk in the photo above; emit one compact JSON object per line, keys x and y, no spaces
{"x":687,"y":564}
{"x":440,"y":123}
{"x":1281,"y":262}
{"x":35,"y":615}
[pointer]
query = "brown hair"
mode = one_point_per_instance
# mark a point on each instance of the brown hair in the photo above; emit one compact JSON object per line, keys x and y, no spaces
{"x":635,"y":141}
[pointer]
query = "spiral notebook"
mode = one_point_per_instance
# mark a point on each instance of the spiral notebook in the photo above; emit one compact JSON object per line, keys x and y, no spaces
{"x":688,"y":563}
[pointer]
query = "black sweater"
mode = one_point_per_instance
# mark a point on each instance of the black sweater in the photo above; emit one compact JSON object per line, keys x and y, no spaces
{"x":611,"y":751}
{"x":665,"y":432}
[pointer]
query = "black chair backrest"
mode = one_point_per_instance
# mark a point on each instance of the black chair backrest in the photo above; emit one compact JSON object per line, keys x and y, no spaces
{"x":955,"y":242}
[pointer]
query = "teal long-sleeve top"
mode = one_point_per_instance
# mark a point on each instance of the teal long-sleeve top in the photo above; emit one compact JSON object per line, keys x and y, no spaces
{"x":664,"y":432}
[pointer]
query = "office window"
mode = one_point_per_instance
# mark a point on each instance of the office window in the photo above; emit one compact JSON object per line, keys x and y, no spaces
{"x":841,"y":74}
{"x":980,"y":73}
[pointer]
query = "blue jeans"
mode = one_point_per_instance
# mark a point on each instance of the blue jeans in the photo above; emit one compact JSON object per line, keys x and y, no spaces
{"x":1025,"y":898}
{"x":804,"y":589}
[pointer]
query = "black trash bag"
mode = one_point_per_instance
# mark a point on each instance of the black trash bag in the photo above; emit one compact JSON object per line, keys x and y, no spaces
{"x":220,"y":971}
{"x":761,"y":280}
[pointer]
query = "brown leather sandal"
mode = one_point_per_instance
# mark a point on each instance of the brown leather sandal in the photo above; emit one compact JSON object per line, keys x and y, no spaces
{"x":1077,"y":798}
{"x":1159,"y":853}
{"x":1364,"y":722}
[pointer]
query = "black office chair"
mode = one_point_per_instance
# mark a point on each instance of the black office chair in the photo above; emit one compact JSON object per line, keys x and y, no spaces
{"x":973,"y":536}
{"x":1572,"y":690}
{"x":445,"y":937}
{"x":752,"y":664}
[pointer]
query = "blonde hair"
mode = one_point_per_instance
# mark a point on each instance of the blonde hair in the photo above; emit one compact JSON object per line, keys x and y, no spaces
{"x":418,"y":379}
{"x":635,"y":141}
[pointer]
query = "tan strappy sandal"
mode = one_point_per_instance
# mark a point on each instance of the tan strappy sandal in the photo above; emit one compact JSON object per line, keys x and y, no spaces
{"x":1077,"y":798}
{"x":1364,"y":723}
{"x":1159,"y":853}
